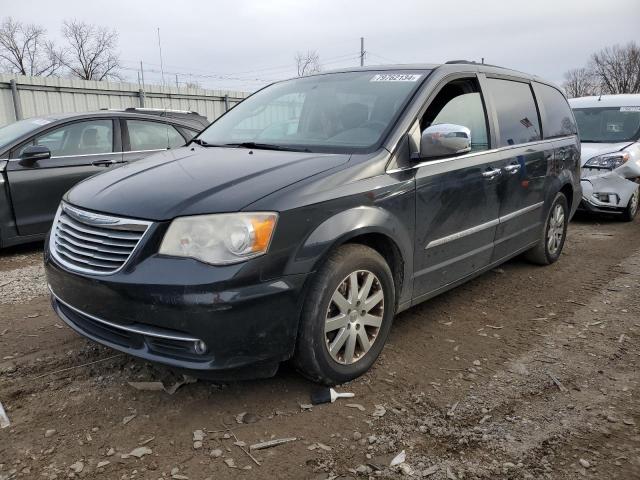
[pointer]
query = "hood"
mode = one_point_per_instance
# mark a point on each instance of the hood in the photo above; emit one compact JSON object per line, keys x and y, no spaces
{"x":196,"y":180}
{"x":590,"y":150}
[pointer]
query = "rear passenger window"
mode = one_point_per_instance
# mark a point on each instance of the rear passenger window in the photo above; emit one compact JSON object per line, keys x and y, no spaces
{"x":557,"y":120}
{"x":145,"y":135}
{"x":516,"y":110}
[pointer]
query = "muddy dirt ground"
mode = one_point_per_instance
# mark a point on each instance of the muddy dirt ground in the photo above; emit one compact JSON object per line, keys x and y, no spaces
{"x":524,"y":373}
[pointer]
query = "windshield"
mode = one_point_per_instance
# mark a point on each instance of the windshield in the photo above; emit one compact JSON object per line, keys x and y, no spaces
{"x":340,"y":112}
{"x":15,"y":130}
{"x":608,"y":124}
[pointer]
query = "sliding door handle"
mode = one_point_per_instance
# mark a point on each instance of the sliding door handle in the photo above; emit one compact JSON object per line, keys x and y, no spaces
{"x":512,"y":168}
{"x":491,"y":174}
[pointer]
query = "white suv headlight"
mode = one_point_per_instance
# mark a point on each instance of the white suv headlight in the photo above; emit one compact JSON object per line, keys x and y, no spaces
{"x":220,"y":239}
{"x":608,"y":160}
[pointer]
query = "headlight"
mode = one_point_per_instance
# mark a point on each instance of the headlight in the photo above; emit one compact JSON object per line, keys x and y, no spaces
{"x":220,"y":239}
{"x":608,"y":160}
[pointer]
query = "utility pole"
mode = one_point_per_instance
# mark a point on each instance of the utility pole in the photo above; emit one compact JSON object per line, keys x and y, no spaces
{"x":161,"y":64}
{"x":142,"y":74}
{"x":362,"y":51}
{"x":177,"y":82}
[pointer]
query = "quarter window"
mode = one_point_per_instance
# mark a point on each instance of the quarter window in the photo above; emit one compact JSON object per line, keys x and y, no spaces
{"x":153,"y":135}
{"x":516,"y":111}
{"x":80,"y":138}
{"x":557,"y":120}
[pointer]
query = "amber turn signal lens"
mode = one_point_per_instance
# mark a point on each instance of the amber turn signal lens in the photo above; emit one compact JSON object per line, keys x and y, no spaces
{"x":263,"y":229}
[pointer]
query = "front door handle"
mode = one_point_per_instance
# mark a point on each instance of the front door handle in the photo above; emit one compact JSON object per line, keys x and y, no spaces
{"x":491,"y":174}
{"x":512,"y":168}
{"x":103,"y":163}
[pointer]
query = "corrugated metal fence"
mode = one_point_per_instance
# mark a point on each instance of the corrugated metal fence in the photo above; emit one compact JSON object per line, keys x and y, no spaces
{"x":24,"y":97}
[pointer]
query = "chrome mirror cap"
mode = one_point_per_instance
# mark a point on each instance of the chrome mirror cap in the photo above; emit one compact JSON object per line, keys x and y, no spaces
{"x":444,"y":139}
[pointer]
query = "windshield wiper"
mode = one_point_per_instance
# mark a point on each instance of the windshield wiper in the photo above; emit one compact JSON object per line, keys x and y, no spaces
{"x":266,"y":146}
{"x":202,"y":143}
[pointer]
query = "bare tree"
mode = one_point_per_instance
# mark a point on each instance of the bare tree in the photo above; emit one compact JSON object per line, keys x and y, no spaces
{"x":307,"y":63}
{"x":91,"y":51}
{"x":25,"y":50}
{"x":617,"y":68}
{"x":580,"y":82}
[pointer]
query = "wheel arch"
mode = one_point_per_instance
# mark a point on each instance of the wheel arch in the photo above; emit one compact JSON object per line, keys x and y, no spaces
{"x":374,"y":227}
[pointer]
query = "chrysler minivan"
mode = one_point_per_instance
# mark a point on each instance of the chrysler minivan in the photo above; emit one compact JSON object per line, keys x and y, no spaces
{"x":299,"y":223}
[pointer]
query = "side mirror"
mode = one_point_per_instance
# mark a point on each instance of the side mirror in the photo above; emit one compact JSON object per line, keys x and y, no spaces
{"x":33,"y":153}
{"x":444,"y":139}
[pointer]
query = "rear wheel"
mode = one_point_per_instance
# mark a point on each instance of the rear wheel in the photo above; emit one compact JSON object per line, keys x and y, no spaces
{"x":549,"y":248}
{"x":632,"y":209}
{"x":346,"y":317}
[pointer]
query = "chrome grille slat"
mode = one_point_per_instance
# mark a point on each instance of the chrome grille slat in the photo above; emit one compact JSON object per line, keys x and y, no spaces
{"x":91,"y":254}
{"x":101,"y":240}
{"x":93,"y":243}
{"x":95,"y":263}
{"x":83,"y":227}
{"x":100,"y":247}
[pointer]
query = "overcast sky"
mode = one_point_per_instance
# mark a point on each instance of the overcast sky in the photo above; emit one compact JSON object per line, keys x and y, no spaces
{"x":244,"y":44}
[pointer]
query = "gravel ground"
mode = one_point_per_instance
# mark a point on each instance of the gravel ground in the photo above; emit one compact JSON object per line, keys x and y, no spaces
{"x":22,"y":285}
{"x":523,"y":373}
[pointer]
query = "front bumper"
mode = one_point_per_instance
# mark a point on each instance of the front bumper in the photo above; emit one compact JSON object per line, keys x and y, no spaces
{"x":161,"y":310}
{"x":607,"y":193}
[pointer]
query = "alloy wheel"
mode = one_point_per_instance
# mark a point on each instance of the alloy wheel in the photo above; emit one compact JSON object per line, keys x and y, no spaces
{"x":633,"y":205}
{"x":555,"y":232}
{"x":354,"y":317}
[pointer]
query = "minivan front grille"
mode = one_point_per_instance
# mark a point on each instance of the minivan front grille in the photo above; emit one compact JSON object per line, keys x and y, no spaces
{"x":93,"y":243}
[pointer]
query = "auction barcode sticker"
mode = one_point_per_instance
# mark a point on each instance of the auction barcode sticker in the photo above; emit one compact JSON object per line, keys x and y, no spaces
{"x":395,"y":77}
{"x":630,"y":109}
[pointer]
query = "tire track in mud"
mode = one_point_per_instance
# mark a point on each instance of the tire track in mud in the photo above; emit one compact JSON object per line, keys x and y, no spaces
{"x":578,"y":386}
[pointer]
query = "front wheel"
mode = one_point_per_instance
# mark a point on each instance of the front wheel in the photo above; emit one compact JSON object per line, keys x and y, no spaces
{"x":346,"y":317}
{"x":631,"y":211}
{"x":549,"y":248}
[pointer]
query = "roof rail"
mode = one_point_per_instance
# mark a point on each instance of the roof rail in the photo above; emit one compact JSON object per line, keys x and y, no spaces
{"x":459,"y":61}
{"x":471,"y":62}
{"x":167,"y":110}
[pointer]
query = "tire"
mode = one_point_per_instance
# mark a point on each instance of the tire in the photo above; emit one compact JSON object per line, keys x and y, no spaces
{"x":548,"y":251}
{"x":631,"y":211}
{"x":312,"y":356}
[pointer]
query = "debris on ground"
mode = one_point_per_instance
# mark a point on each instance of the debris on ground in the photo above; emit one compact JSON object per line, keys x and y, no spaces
{"x":379,"y":411}
{"x":128,"y":418}
{"x":160,"y":386}
{"x":198,"y":438}
{"x":321,"y":446}
{"x":271,"y":443}
{"x":138,"y":452}
{"x":398,"y":459}
{"x":246,"y":418}
{"x":328,"y":395}
{"x":4,"y":419}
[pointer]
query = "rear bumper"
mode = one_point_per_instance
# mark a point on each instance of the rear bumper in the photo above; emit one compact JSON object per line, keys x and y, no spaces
{"x":247,"y":330}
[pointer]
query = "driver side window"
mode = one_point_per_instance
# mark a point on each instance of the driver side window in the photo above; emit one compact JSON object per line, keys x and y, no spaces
{"x":460,"y":103}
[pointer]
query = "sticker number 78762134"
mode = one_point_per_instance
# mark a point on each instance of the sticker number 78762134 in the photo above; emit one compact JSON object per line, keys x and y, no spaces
{"x":395,"y":77}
